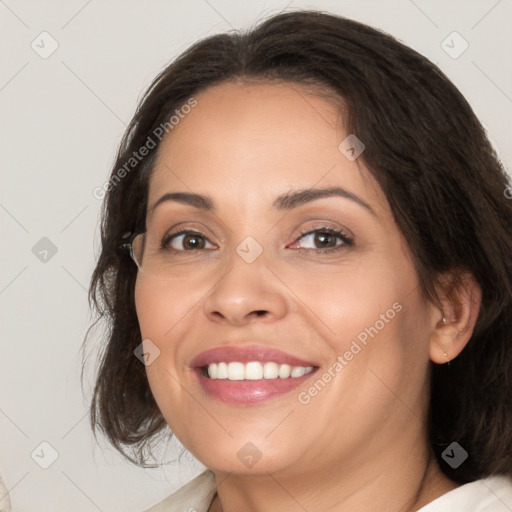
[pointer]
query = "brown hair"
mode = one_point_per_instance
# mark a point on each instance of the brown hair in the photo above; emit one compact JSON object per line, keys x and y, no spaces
{"x":430,"y":155}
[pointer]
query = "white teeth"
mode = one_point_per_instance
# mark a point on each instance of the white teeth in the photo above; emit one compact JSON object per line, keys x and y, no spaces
{"x":271,"y":371}
{"x":255,"y":370}
{"x":285,"y":371}
{"x":298,"y":371}
{"x":235,"y":371}
{"x":222,"y":371}
{"x":212,"y":371}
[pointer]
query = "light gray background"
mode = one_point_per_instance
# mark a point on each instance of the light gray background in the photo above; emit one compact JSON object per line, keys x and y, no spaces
{"x":62,"y":118}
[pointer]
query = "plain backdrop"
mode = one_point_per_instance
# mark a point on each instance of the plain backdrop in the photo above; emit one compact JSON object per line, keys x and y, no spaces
{"x":62,"y":116}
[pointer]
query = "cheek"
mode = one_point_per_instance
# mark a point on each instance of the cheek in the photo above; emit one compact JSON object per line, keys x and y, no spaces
{"x":161,"y":306}
{"x":347,"y":300}
{"x":149,"y":305}
{"x":375,"y":325}
{"x":376,"y":305}
{"x":142,"y":300}
{"x":157,"y":313}
{"x":166,"y":313}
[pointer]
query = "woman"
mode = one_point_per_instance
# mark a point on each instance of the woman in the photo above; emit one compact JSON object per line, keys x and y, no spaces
{"x":306,"y":240}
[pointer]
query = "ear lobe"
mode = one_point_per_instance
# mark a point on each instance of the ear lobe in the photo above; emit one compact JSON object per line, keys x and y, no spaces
{"x":455,"y":323}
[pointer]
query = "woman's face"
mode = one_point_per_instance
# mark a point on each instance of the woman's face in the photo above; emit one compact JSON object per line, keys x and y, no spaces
{"x":278,"y":275}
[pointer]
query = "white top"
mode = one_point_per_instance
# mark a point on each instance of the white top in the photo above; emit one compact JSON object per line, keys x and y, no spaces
{"x":491,"y":494}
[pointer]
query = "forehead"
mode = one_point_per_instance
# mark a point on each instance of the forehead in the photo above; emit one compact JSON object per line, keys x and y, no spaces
{"x":269,"y":137}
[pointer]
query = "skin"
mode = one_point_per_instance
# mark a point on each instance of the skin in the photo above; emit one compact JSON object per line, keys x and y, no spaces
{"x":362,"y":440}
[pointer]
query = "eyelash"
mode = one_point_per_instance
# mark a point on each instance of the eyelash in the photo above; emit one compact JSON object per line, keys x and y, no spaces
{"x":347,"y":241}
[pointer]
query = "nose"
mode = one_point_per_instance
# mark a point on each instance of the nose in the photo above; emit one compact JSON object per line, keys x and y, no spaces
{"x":247,"y":292}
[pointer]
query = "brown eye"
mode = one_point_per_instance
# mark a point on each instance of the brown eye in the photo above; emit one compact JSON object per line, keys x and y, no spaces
{"x":192,"y":241}
{"x":322,"y":239}
{"x":186,"y":241}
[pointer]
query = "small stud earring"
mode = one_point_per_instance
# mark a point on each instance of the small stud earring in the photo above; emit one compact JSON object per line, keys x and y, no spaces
{"x":444,"y":320}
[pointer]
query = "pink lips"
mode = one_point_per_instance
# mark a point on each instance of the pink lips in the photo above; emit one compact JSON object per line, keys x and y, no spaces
{"x":245,"y":355}
{"x":247,"y":392}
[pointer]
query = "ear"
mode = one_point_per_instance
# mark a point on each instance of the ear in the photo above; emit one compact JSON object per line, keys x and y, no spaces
{"x":453,"y":325}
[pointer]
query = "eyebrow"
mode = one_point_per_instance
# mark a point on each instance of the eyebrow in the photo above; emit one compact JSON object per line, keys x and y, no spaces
{"x":288,"y":201}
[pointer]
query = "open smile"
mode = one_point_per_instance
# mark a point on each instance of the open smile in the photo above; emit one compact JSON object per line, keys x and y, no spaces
{"x":249,"y":375}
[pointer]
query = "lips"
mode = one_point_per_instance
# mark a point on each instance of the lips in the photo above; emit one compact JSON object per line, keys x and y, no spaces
{"x":246,"y":355}
{"x":248,"y":392}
